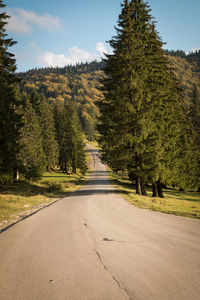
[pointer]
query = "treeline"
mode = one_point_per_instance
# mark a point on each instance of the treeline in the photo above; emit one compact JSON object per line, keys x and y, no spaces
{"x":192,"y":57}
{"x":80,"y":83}
{"x":50,"y":136}
{"x":79,"y":68}
{"x":46,"y":137}
{"x":35,"y":134}
{"x":145,"y":127}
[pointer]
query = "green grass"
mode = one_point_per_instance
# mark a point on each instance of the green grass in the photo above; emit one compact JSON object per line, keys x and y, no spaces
{"x":24,"y":197}
{"x":93,"y":144}
{"x":175,"y":202}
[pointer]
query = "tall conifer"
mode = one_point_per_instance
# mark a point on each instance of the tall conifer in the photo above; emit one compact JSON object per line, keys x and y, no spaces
{"x":141,"y":113}
{"x":9,"y":119}
{"x":49,"y":143}
{"x":70,"y":138}
{"x":31,"y":158}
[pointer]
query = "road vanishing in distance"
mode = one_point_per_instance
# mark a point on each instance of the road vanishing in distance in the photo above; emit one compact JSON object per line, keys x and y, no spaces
{"x":94,"y":245}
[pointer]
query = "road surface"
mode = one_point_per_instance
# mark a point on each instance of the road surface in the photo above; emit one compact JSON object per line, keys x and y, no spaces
{"x":93,"y":245}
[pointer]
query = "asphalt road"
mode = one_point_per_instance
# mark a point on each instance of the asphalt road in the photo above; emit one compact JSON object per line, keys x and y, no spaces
{"x":93,"y":245}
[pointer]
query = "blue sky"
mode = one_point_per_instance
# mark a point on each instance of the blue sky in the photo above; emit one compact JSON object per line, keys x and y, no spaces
{"x":69,"y":31}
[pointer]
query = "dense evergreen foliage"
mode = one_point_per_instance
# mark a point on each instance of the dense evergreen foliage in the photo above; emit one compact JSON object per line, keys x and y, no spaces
{"x":28,"y":137}
{"x":69,"y":137}
{"x":31,"y":156}
{"x":9,"y":118}
{"x":143,"y":127}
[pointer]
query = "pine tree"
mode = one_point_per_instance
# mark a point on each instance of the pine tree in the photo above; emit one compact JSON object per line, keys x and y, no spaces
{"x":165,"y":114}
{"x":9,"y":119}
{"x":193,"y":133}
{"x":31,"y":157}
{"x":125,"y":112}
{"x":70,"y":138}
{"x":141,"y":113}
{"x":194,"y":113}
{"x":35,"y":99}
{"x":49,"y":143}
{"x":58,"y":113}
{"x":45,"y":116}
{"x":74,"y":138}
{"x":88,"y":127}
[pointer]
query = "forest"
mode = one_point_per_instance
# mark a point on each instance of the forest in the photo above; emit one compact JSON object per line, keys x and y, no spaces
{"x":82,"y":83}
{"x":36,"y":135}
{"x":146,"y":117}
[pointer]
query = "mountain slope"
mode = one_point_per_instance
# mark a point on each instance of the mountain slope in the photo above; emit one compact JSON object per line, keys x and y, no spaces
{"x":82,"y":83}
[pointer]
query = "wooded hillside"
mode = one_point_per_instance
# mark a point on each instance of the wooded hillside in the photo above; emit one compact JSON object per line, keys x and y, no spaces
{"x":187,"y":70}
{"x":82,"y":83}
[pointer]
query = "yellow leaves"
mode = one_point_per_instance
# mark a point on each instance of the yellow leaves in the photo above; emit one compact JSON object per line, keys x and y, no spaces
{"x":30,"y":85}
{"x":60,"y":98}
{"x":85,"y":114}
{"x":81,"y":84}
{"x":185,"y":73}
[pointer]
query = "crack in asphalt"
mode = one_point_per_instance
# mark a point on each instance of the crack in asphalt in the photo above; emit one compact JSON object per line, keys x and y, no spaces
{"x":111,"y":240}
{"x":114,"y":278}
{"x":104,"y":266}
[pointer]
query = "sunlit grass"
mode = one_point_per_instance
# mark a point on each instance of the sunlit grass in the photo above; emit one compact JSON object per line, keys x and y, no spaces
{"x":175,"y":202}
{"x":93,"y":144}
{"x":24,"y":197}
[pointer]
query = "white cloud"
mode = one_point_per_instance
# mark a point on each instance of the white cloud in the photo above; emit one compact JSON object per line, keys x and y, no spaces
{"x":73,"y":56}
{"x":100,"y":47}
{"x":23,"y":21}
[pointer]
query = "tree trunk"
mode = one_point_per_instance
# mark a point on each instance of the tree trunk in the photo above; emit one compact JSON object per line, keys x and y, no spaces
{"x":160,"y":189}
{"x":143,"y":187}
{"x":15,"y":175}
{"x":65,"y":165}
{"x":154,"y":189}
{"x":138,"y":185}
{"x":73,"y":166}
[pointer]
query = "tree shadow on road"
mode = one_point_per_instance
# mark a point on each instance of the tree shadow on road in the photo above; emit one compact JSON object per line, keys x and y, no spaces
{"x":91,"y":192}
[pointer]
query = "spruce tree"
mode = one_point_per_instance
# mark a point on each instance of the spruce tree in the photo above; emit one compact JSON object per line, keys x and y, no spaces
{"x":9,"y":118}
{"x":194,"y":113}
{"x":141,"y":113}
{"x":165,"y":114}
{"x":49,"y":143}
{"x":74,"y":138}
{"x":69,"y":137}
{"x":45,"y":116}
{"x":35,"y":99}
{"x":30,"y":158}
{"x":125,"y":111}
{"x":192,"y":128}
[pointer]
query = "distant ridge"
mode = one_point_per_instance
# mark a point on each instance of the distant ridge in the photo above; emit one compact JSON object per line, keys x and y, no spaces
{"x":82,"y":83}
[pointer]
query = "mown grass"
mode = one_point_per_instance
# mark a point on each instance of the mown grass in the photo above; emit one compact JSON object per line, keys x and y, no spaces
{"x":24,"y":197}
{"x":175,"y":202}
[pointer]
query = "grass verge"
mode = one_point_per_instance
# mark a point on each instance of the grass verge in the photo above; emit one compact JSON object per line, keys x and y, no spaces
{"x":23,"y":198}
{"x":179,"y":203}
